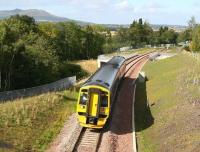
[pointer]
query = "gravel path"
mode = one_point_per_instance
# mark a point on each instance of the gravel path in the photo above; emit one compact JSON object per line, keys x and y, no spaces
{"x":67,"y":137}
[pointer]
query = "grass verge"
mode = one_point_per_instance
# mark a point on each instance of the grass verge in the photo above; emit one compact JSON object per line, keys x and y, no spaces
{"x":89,"y":66}
{"x":167,"y":106}
{"x":31,"y":124}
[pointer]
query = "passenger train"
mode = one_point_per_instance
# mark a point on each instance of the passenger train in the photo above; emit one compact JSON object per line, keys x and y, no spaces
{"x":97,"y":94}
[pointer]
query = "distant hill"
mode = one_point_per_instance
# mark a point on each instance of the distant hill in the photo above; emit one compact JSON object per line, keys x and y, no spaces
{"x":38,"y":15}
{"x":44,"y":16}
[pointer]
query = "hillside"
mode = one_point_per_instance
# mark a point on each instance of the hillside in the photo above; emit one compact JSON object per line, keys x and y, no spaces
{"x":23,"y":122}
{"x":42,"y":16}
{"x":170,"y":122}
{"x":38,"y":15}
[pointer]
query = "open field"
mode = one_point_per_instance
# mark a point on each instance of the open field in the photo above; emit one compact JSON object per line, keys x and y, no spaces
{"x":167,"y":106}
{"x":31,"y":124}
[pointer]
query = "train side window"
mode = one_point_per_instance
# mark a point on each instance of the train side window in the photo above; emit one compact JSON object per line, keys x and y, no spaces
{"x":104,"y":101}
{"x":83,"y":99}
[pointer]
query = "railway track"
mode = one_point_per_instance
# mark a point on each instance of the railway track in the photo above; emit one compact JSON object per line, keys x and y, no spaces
{"x":88,"y":140}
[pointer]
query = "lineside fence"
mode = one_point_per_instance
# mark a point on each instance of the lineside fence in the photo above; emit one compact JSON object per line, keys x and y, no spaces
{"x":62,"y":84}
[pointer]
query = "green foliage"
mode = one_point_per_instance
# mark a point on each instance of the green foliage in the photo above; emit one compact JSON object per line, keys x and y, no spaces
{"x":196,"y":39}
{"x":33,"y":54}
{"x":164,"y":36}
{"x":185,"y":36}
{"x":36,"y":53}
{"x":171,"y":91}
{"x":68,"y":69}
{"x":192,"y":23}
{"x":140,"y":33}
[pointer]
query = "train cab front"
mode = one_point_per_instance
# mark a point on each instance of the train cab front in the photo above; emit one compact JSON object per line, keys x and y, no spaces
{"x":93,"y":106}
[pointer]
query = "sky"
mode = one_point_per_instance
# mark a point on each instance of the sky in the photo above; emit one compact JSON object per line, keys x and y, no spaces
{"x":174,"y":12}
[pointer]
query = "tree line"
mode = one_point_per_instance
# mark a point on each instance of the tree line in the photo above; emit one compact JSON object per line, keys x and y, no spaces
{"x":141,"y":33}
{"x":33,"y":53}
{"x":191,"y":35}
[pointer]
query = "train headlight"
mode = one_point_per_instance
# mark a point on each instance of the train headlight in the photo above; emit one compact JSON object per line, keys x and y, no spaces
{"x":84,"y":99}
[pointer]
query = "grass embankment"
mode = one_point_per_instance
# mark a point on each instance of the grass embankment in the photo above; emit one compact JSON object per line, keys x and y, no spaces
{"x":31,"y":124}
{"x":89,"y":66}
{"x":167,"y":106}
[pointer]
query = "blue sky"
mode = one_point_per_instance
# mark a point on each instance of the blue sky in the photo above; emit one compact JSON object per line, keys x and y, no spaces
{"x":114,"y":11}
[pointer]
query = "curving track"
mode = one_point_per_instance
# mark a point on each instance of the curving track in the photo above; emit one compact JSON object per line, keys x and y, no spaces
{"x":118,"y":134}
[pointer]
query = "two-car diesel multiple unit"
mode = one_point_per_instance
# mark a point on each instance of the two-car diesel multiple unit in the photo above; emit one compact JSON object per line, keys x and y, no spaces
{"x":97,"y":94}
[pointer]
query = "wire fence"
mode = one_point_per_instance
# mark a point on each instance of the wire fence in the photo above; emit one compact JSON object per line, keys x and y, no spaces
{"x":62,"y":84}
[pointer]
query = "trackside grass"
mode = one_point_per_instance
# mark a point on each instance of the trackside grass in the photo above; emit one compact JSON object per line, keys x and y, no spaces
{"x":31,"y":124}
{"x":167,"y":106}
{"x":90,"y":66}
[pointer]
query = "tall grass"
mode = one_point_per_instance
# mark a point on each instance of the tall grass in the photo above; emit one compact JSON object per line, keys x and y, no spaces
{"x":30,"y":124}
{"x":89,"y":66}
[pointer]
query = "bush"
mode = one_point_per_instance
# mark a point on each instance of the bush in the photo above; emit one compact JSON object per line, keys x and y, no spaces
{"x":68,"y":69}
{"x":186,"y":48}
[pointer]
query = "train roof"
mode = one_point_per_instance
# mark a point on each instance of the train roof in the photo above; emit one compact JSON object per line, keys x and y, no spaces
{"x":106,"y":74}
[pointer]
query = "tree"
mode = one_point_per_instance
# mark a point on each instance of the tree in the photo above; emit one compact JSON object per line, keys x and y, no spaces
{"x":185,"y":36}
{"x":192,"y":23}
{"x":13,"y":32}
{"x":140,"y":33}
{"x":196,"y":39}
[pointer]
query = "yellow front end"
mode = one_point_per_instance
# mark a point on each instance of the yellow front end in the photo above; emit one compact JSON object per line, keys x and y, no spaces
{"x":93,"y":106}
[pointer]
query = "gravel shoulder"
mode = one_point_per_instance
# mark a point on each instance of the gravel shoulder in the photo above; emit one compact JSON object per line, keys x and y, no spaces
{"x":67,"y":137}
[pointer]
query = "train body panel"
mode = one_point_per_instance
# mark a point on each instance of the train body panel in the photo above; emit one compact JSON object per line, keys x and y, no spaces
{"x":93,"y":106}
{"x":97,"y":94}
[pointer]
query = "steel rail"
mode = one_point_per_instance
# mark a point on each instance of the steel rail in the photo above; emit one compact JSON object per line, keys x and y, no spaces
{"x":88,"y":140}
{"x":137,"y":59}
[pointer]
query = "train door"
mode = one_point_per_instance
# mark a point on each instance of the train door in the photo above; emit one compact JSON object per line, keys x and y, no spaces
{"x":94,"y":102}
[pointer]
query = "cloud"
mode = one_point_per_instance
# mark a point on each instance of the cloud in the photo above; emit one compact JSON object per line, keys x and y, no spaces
{"x":123,"y":5}
{"x":90,"y":4}
{"x":25,"y":3}
{"x":196,"y":4}
{"x":152,"y":7}
{"x":149,"y":7}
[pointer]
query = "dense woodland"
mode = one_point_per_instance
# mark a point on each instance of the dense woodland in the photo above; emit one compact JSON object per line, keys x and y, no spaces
{"x":33,"y":53}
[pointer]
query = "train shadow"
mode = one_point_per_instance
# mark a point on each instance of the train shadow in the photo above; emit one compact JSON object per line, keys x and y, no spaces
{"x":143,"y":116}
{"x":121,"y":117}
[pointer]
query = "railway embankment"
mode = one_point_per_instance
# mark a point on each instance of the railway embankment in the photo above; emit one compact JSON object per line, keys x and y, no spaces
{"x":167,"y":106}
